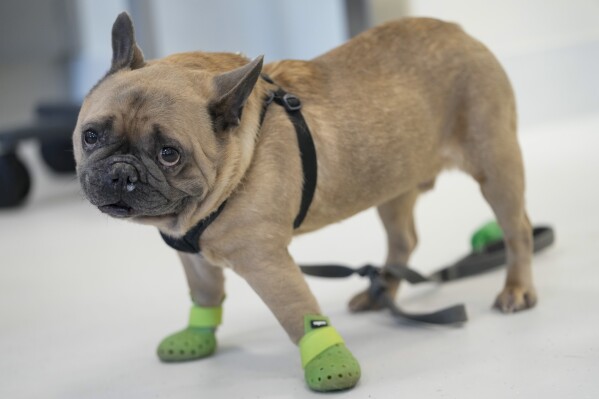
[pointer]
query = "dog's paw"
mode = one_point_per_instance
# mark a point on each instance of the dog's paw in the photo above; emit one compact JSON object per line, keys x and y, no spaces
{"x":334,"y":369}
{"x":363,"y":302}
{"x":515,"y":298}
{"x":187,"y":344}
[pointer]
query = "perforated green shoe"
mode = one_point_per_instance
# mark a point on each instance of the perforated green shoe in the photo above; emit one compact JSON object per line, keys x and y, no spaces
{"x":196,"y":341}
{"x":328,"y":364}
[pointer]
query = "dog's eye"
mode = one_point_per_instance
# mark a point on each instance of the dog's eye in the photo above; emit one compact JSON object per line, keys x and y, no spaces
{"x":90,"y":137}
{"x":169,"y":156}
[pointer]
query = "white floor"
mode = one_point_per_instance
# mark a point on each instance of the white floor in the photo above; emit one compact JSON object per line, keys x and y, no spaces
{"x":85,"y":299}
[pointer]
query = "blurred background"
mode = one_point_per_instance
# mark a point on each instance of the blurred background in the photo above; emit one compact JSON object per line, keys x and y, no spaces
{"x":53,"y":51}
{"x":57,"y":49}
{"x":76,"y":287}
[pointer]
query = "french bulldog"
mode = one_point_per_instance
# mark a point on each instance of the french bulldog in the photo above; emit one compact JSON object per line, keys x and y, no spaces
{"x":166,"y":142}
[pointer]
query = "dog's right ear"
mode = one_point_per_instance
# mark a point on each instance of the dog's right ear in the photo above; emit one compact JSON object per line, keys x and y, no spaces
{"x":232,"y":91}
{"x":125,"y":52}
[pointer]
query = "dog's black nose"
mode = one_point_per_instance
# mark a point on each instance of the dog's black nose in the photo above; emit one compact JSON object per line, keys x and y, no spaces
{"x":123,"y":176}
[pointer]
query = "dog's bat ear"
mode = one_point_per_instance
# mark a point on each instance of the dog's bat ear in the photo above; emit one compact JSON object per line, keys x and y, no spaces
{"x":232,"y":91}
{"x":125,"y":52}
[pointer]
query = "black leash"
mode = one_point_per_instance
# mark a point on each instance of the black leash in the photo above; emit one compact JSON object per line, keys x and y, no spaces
{"x":490,"y":257}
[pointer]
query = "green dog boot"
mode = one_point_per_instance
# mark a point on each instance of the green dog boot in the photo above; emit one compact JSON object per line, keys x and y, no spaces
{"x":328,"y":364}
{"x":194,"y":342}
{"x":485,"y":235}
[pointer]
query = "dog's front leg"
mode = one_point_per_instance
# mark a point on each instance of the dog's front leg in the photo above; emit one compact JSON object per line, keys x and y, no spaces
{"x":198,"y":339}
{"x":279,"y":283}
{"x":206,"y":282}
{"x":328,"y":364}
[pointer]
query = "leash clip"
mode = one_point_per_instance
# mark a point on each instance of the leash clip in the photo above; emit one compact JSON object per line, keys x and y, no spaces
{"x":368,"y":271}
{"x":378,"y":286}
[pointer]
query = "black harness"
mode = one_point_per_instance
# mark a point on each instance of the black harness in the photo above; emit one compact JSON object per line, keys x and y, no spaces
{"x":190,"y":242}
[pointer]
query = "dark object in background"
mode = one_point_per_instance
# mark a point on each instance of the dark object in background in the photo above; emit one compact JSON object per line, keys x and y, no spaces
{"x":14,"y":180}
{"x":58,"y":154}
{"x":53,"y":126}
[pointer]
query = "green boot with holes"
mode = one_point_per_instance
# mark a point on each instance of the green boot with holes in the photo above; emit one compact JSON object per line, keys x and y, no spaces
{"x":328,"y":364}
{"x":197,"y":340}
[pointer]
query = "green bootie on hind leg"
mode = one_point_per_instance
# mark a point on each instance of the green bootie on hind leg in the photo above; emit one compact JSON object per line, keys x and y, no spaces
{"x":196,"y":341}
{"x":328,"y":364}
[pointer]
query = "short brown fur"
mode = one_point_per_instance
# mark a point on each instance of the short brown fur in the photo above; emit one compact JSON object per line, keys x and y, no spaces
{"x":388,"y":111}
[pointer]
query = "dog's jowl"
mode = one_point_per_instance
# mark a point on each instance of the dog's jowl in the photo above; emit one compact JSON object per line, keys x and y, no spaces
{"x":230,"y":158}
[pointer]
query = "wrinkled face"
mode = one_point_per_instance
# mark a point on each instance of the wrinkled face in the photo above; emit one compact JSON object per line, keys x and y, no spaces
{"x":144,"y":144}
{"x":151,"y":138}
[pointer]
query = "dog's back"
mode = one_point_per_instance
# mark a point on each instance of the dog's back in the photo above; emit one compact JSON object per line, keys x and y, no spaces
{"x":395,"y":105}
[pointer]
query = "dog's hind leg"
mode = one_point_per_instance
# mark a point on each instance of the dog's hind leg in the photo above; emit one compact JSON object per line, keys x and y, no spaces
{"x":397,"y":216}
{"x":503,"y":188}
{"x":492,"y":156}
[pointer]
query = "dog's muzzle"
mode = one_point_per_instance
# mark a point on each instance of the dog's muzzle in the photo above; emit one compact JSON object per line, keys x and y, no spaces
{"x":123,"y":176}
{"x":111,"y":183}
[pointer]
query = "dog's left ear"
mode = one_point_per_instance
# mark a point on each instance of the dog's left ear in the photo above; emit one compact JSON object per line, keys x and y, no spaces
{"x":125,"y":52}
{"x":232,"y":91}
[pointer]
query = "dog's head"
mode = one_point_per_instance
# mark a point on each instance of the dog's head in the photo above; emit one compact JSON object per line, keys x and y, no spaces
{"x":154,"y":139}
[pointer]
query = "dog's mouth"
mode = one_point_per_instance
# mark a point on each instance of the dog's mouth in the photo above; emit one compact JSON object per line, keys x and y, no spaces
{"x":119,"y":209}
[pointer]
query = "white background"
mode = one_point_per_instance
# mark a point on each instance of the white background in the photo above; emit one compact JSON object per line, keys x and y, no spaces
{"x":85,"y":299}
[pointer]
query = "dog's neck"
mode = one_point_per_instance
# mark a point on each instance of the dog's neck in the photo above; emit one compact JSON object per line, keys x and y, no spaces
{"x":230,"y":176}
{"x":188,"y":241}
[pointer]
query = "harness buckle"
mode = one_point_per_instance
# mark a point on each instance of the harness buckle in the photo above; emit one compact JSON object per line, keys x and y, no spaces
{"x":291,"y":102}
{"x":269,"y":99}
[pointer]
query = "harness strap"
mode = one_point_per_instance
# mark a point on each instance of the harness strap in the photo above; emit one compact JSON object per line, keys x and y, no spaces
{"x":293,"y":105}
{"x":190,"y":242}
